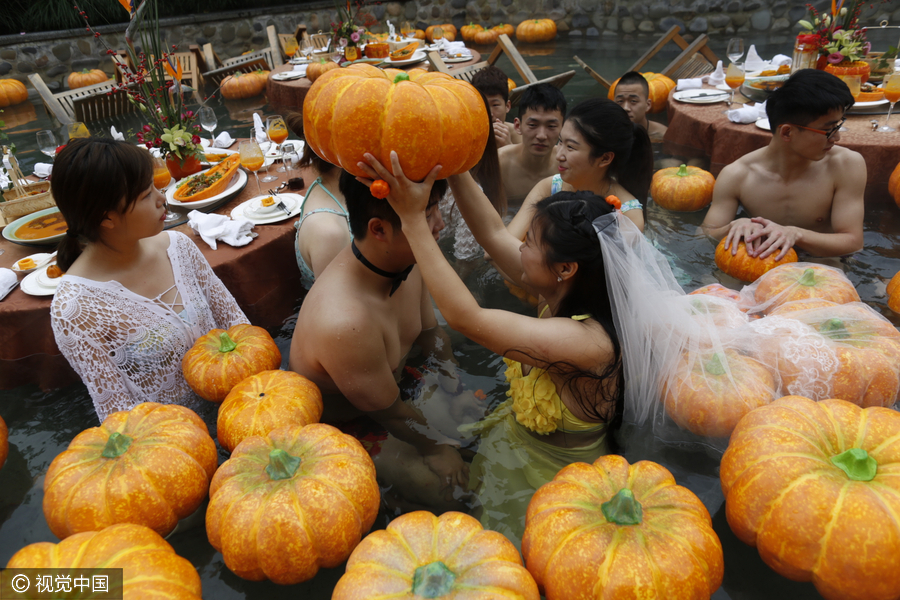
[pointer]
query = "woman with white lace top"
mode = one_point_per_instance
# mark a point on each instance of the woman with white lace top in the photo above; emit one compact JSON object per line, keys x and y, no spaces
{"x":601,"y":151}
{"x":133,"y":298}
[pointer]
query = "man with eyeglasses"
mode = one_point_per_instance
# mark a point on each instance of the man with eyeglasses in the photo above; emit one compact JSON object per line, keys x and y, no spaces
{"x":801,"y":190}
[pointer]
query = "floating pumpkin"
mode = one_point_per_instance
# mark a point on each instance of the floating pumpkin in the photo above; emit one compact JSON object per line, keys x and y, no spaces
{"x":150,"y":567}
{"x":660,"y":86}
{"x":12,"y":92}
{"x":628,"y":530}
{"x":419,"y":34}
{"x":429,"y":119}
{"x":745,"y":267}
{"x":286,"y":504}
{"x":505,"y":28}
{"x":4,"y":442}
{"x":468,"y":31}
{"x":894,"y":184}
{"x":318,"y":68}
{"x":719,"y":290}
{"x":801,"y":281}
{"x":684,"y":188}
{"x":536,"y":30}
{"x":266,"y":401}
{"x":150,"y":465}
{"x":708,"y":393}
{"x":221,"y":359}
{"x":86,"y":77}
{"x":262,"y":75}
{"x":449,"y":32}
{"x":420,"y":555}
{"x":511,"y":84}
{"x":486,"y":37}
{"x":242,"y":85}
{"x":814,"y":486}
{"x":893,"y":293}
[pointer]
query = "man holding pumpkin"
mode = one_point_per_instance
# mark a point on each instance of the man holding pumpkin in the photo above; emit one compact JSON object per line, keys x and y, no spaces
{"x":801,"y":190}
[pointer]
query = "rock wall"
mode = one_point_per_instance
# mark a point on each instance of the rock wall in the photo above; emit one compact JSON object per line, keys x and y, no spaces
{"x":55,"y":54}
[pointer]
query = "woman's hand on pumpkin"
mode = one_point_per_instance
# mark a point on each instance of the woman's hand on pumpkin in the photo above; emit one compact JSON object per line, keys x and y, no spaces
{"x":408,"y":198}
{"x":773,"y":237}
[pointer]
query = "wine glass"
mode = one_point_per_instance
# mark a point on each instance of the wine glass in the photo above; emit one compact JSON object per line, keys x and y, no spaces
{"x":734,"y":77}
{"x":252,"y":159}
{"x":406,"y":30}
{"x":854,"y":82}
{"x":437,"y":34}
{"x":891,"y":94}
{"x":208,"y":122}
{"x":78,"y":130}
{"x":277,"y":131}
{"x":46,"y":140}
{"x":161,"y":179}
{"x":306,"y":48}
{"x":735,"y":49}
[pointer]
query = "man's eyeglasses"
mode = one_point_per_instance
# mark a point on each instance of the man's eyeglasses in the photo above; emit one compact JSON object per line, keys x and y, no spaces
{"x":827,"y":133}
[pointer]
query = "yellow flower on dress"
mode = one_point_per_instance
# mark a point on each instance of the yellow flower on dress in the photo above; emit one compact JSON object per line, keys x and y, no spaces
{"x":535,"y":401}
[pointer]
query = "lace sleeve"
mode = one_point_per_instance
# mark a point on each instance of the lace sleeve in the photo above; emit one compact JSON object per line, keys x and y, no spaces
{"x":224,"y":307}
{"x":465,"y":247}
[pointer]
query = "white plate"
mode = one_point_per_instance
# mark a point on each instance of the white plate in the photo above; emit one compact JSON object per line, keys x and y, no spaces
{"x":300,"y":61}
{"x":289,"y":75}
{"x":38,"y":258}
{"x":237,"y":183}
{"x":32,"y":286}
{"x":216,"y":151}
{"x":763,"y":124}
{"x":872,"y":103}
{"x":700,"y":96}
{"x":418,"y":56}
{"x":294,"y":202}
{"x":458,"y":59}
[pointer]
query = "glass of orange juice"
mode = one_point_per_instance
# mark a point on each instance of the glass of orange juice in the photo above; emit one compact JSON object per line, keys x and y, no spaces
{"x":277,"y":131}
{"x":161,"y":179}
{"x":891,"y":94}
{"x":78,"y":130}
{"x":734,"y":77}
{"x":252,"y":159}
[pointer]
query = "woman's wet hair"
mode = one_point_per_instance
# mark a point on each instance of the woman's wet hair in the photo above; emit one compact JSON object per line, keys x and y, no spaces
{"x":487,"y":171}
{"x":91,"y":177}
{"x":308,"y":158}
{"x":806,"y":96}
{"x":605,"y":127}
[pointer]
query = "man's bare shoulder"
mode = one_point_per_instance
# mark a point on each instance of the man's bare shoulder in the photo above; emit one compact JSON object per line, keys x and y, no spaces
{"x":842,"y":157}
{"x":509,"y":155}
{"x":752,"y":163}
{"x":332,"y":306}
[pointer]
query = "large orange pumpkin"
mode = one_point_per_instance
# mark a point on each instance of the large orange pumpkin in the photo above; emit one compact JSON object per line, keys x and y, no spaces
{"x":894,"y":184}
{"x":150,"y":567}
{"x":242,"y":85}
{"x":4,"y":442}
{"x":449,"y":32}
{"x":801,"y":281}
{"x":318,"y":68}
{"x":85,"y":77}
{"x":468,"y":31}
{"x":683,"y":188}
{"x":814,"y":486}
{"x":286,"y":504}
{"x":150,"y":465}
{"x":221,"y":359}
{"x":707,"y":394}
{"x":660,"y":86}
{"x":745,"y":267}
{"x":420,"y":555}
{"x":613,"y":530}
{"x":428,"y":119}
{"x":486,"y":37}
{"x":12,"y":92}
{"x":267,"y":401}
{"x":893,"y":293}
{"x":536,"y":30}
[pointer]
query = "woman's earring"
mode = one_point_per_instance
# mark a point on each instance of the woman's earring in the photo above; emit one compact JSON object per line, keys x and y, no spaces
{"x":559,"y":279}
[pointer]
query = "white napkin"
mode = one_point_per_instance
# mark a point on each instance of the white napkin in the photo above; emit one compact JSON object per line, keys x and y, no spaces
{"x":115,"y":134}
{"x":689,"y":84}
{"x":452,"y":47}
{"x":779,"y":60}
{"x":42,"y":169}
{"x":301,"y":69}
{"x":223,"y":140}
{"x":747,"y":114}
{"x":753,"y":62}
{"x":8,"y":281}
{"x":261,"y":136}
{"x":212,"y":227}
{"x":717,"y":77}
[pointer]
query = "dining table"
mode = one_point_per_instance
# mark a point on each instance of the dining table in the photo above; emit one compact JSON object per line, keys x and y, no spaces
{"x":262,"y":276}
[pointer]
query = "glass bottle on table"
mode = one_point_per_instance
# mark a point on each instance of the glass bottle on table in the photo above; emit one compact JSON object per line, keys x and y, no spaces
{"x":252,"y":159}
{"x":891,"y":94}
{"x":734,"y":77}
{"x":277,"y":131}
{"x":208,"y":121}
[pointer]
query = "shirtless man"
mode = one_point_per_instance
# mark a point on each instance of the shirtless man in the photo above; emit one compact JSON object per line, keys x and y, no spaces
{"x":801,"y":190}
{"x":354,"y":330}
{"x":542,"y":110}
{"x":633,"y":94}
{"x":492,"y":82}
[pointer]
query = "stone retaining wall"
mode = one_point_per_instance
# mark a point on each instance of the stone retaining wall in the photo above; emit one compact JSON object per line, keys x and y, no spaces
{"x":55,"y":54}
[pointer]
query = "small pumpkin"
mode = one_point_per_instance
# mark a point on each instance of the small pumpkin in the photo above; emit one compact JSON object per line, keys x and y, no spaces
{"x":628,"y":530}
{"x":318,"y":68}
{"x":486,"y":37}
{"x":536,"y":30}
{"x":468,"y":31}
{"x":266,"y":401}
{"x":419,"y":34}
{"x":893,"y":293}
{"x":241,"y":85}
{"x":4,"y":442}
{"x":684,"y":188}
{"x":719,"y":290}
{"x":262,"y":75}
{"x":505,"y":28}
{"x":360,"y":109}
{"x":660,"y":86}
{"x":150,"y":465}
{"x":813,"y":486}
{"x":221,"y":359}
{"x":748,"y":268}
{"x":449,"y":32}
{"x":12,"y":92}
{"x":800,"y":281}
{"x":894,"y":184}
{"x":289,"y":503}
{"x":421,"y":555}
{"x":150,"y":567}
{"x":85,"y":77}
{"x":511,"y":84}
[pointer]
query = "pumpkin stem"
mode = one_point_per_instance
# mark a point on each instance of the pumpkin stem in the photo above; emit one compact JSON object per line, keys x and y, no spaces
{"x":682,"y":171}
{"x":623,"y":509}
{"x":714,"y":365}
{"x":808,"y":278}
{"x":116,"y":445}
{"x":835,"y":329}
{"x":857,"y":464}
{"x":401,"y":77}
{"x":226,"y":344}
{"x":282,"y":465}
{"x":433,"y":580}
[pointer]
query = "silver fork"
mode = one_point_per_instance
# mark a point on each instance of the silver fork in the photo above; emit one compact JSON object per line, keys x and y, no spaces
{"x":280,"y":204}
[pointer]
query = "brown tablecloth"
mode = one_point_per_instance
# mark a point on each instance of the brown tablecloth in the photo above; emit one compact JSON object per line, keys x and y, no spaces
{"x":705,"y":128}
{"x":262,"y":276}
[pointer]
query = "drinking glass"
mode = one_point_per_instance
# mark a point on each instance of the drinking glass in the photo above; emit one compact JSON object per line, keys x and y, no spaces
{"x":161,"y":179}
{"x":277,"y":131}
{"x":289,"y":159}
{"x":252,"y":159}
{"x":407,"y":29}
{"x":891,"y":94}
{"x":337,"y":56}
{"x":437,"y":34}
{"x":306,"y":48}
{"x":854,"y":82}
{"x":208,"y":122}
{"x":734,"y":77}
{"x":46,"y":140}
{"x":735,"y":49}
{"x":78,"y":130}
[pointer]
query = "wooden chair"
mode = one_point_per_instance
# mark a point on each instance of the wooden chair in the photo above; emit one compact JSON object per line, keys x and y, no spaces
{"x":300,"y":32}
{"x":84,"y":104}
{"x":276,"y":45}
{"x":695,"y":60}
{"x":190,"y":70}
{"x":246,"y":63}
{"x":320,"y":40}
{"x":597,"y":76}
